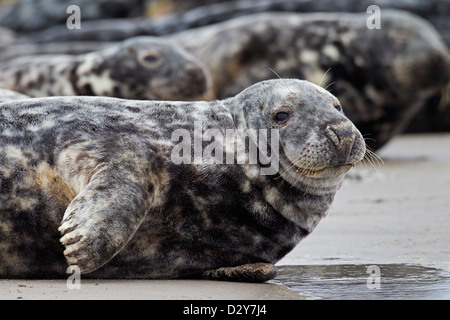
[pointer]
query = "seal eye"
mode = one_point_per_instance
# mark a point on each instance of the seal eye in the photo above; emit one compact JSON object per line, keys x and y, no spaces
{"x":337,"y":106}
{"x":282,"y":117}
{"x":151,"y":58}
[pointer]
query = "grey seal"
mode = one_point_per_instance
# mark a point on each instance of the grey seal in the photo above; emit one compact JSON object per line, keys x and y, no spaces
{"x":434,"y":11}
{"x":104,"y":172}
{"x":138,"y":68}
{"x":382,"y":76}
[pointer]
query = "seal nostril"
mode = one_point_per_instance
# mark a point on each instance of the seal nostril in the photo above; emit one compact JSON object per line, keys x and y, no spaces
{"x":337,"y":133}
{"x":342,"y":137}
{"x":195,"y":72}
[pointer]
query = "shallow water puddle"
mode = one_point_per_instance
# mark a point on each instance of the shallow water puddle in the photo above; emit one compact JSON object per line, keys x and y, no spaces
{"x":348,"y":281}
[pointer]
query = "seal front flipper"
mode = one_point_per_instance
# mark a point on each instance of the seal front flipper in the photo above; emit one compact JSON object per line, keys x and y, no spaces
{"x":102,"y":218}
{"x":254,"y":272}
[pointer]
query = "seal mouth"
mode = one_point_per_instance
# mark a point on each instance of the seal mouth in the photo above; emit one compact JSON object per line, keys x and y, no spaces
{"x":310,"y":172}
{"x":313,"y":172}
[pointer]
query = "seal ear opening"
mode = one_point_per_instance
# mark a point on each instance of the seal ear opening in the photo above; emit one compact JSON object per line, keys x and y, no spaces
{"x":130,"y":52}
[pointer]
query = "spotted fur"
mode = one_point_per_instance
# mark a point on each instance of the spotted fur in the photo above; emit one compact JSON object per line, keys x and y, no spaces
{"x":139,"y":68}
{"x":100,"y":171}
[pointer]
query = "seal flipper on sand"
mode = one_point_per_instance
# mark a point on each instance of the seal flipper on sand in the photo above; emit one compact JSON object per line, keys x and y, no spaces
{"x":112,"y":209}
{"x":254,"y":272}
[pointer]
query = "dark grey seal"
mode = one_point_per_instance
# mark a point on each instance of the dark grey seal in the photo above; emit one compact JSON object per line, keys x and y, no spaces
{"x":105,"y":172}
{"x":382,"y":76}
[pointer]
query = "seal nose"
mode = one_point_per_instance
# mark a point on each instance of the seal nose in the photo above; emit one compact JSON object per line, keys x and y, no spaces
{"x":343,"y":137}
{"x":197,"y":80}
{"x":195,"y":73}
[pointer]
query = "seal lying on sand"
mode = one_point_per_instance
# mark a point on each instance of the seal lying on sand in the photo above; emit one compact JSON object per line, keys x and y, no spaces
{"x":107,"y":173}
{"x":138,"y":68}
{"x":381,"y":76}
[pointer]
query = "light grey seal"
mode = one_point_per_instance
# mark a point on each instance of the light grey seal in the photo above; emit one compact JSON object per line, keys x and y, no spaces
{"x":138,"y":68}
{"x":106,"y":173}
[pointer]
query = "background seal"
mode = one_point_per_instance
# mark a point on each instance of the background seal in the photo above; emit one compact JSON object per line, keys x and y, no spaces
{"x":138,"y":68}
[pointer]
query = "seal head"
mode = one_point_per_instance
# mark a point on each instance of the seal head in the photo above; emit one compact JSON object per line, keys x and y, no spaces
{"x":154,"y":69}
{"x":319,"y":144}
{"x":144,"y":68}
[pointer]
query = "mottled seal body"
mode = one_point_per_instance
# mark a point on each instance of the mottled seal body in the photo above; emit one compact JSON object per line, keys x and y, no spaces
{"x":434,"y":11}
{"x":382,"y":76}
{"x":101,"y":171}
{"x":138,"y":68}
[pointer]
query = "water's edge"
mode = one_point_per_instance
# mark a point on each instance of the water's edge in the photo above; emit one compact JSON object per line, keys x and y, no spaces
{"x":364,"y":281}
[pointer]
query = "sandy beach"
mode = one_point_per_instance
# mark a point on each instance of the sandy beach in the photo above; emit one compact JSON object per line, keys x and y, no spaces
{"x":397,"y":213}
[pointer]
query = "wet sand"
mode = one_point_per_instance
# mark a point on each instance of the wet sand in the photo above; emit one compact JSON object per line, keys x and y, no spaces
{"x":398,"y":215}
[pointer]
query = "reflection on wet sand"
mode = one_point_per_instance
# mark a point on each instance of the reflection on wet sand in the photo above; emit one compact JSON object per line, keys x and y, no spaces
{"x":348,"y":281}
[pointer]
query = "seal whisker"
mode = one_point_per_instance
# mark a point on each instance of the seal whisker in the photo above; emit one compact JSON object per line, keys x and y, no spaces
{"x":329,"y":85}
{"x":374,"y":156}
{"x":367,"y":160}
{"x":305,"y":165}
{"x":281,"y":79}
{"x":323,"y":77}
{"x":371,"y":139}
{"x":373,"y":159}
{"x":294,"y":163}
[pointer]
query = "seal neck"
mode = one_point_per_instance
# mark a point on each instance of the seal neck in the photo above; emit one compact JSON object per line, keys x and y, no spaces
{"x":303,"y":209}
